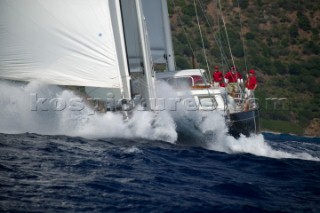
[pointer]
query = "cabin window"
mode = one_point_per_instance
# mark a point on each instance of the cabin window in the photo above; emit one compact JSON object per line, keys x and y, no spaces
{"x":200,"y":80}
{"x":183,"y":82}
{"x":208,"y":102}
{"x":197,"y":80}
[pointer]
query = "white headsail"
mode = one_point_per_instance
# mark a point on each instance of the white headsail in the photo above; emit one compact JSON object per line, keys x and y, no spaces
{"x":66,"y":42}
{"x":96,"y":43}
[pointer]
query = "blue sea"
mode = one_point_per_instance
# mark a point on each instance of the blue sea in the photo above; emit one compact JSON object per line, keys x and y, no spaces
{"x":40,"y":173}
{"x":80,"y":161}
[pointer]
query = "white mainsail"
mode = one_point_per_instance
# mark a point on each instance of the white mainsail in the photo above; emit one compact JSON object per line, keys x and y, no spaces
{"x":64,"y":42}
{"x":159,"y":32}
{"x":133,"y":33}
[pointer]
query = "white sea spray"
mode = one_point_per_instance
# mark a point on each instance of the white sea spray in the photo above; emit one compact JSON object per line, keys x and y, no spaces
{"x":50,"y":110}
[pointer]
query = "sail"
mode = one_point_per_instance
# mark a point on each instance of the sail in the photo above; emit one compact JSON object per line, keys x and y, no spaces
{"x":159,"y":31}
{"x":132,"y":37}
{"x":64,"y":42}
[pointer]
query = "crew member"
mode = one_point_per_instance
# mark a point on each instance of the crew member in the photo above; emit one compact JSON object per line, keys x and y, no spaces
{"x":251,"y":85}
{"x":217,"y":76}
{"x":233,"y":78}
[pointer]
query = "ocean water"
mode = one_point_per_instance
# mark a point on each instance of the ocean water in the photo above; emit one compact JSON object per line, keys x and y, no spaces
{"x":70,"y":160}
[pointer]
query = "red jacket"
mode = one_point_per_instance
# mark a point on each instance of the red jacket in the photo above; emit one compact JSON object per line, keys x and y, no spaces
{"x":251,"y":82}
{"x":222,"y":84}
{"x":232,"y":77}
{"x":217,"y":76}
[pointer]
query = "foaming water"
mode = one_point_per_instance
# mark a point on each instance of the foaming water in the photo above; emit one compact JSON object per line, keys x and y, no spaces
{"x":211,"y":133}
{"x":50,"y":110}
{"x":63,"y":113}
{"x":255,"y":144}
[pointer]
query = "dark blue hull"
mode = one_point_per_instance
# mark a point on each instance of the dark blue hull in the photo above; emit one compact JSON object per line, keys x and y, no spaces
{"x":245,"y":123}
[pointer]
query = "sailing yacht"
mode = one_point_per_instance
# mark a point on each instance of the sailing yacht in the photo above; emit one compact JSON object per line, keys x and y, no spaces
{"x":195,"y":82}
{"x":208,"y":98}
{"x":109,"y":47}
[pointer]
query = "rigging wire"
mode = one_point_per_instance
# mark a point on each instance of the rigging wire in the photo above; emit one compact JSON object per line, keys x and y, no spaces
{"x":188,"y":41}
{"x":224,"y":59}
{"x":225,"y":28}
{"x":245,"y":62}
{"x":226,"y":32}
{"x":208,"y":74}
{"x":201,"y":36}
{"x":242,"y":38}
{"x":220,"y":37}
{"x":217,"y":40}
{"x":183,"y":29}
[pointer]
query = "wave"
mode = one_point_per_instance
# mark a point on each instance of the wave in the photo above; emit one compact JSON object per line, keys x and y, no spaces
{"x":51,"y":110}
{"x":211,"y":132}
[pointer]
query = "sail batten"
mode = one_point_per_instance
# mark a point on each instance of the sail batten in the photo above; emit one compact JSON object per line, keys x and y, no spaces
{"x":64,"y":42}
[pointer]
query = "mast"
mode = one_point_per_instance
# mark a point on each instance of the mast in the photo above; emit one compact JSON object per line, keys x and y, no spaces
{"x":121,"y":49}
{"x":148,"y":69}
{"x":168,"y":38}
